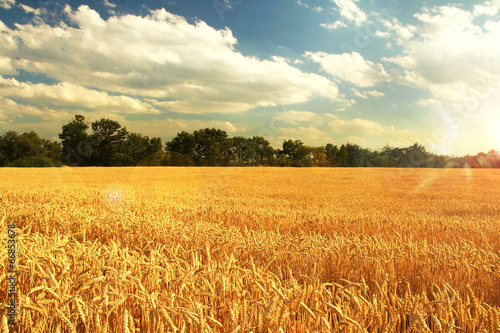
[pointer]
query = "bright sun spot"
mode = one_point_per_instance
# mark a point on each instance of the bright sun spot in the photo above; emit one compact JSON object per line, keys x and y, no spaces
{"x":114,"y":197}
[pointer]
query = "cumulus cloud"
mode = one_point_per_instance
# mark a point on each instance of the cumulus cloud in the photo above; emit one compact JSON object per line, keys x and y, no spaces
{"x":295,"y":117}
{"x":171,"y":126}
{"x":10,"y":110}
{"x":31,"y":10}
{"x":333,"y":26}
{"x":429,"y":102}
{"x":195,"y":67}
{"x":109,"y":4}
{"x":358,"y":126}
{"x":366,"y":94}
{"x":318,"y":129}
{"x":456,"y":58}
{"x":350,"y":67}
{"x":7,"y":66}
{"x":452,"y":57}
{"x":395,"y":28}
{"x":7,"y":4}
{"x":488,"y":8}
{"x":315,"y":8}
{"x":66,"y":95}
{"x":350,"y":11}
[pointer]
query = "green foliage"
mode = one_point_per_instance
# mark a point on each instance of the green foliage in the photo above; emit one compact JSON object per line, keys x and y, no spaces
{"x":34,"y":162}
{"x":75,"y":141}
{"x":111,"y":145}
{"x":212,"y":147}
{"x":140,"y":150}
{"x":154,"y":159}
{"x":15,"y":146}
{"x":107,"y":138}
{"x":297,"y":155}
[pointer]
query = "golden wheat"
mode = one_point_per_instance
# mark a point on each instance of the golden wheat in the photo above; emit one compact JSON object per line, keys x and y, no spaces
{"x":262,"y":249}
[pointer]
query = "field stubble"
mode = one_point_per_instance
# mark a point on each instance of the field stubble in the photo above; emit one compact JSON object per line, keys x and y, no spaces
{"x":253,"y":249}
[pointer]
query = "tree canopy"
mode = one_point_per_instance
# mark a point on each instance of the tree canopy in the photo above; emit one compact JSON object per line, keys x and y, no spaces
{"x":110,"y":144}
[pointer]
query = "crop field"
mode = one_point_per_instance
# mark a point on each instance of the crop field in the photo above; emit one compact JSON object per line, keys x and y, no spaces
{"x":250,"y":250}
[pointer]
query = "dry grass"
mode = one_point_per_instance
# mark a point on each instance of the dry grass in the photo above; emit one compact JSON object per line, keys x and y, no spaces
{"x":254,"y":249}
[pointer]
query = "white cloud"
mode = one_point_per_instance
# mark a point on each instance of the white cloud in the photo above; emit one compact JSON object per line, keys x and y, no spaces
{"x":193,"y":65}
{"x":6,"y":66}
{"x":109,"y":4}
{"x":318,"y":129}
{"x":366,"y":94}
{"x":429,"y":102}
{"x":350,"y":11}
{"x":351,"y":67}
{"x":280,"y":59}
{"x":488,"y":8}
{"x":383,"y":34}
{"x":10,"y":110}
{"x":395,"y":29}
{"x":333,"y":26}
{"x":455,"y":59}
{"x":66,"y":95}
{"x":310,"y":135}
{"x":295,"y":117}
{"x":171,"y":126}
{"x":7,"y":4}
{"x":358,"y":126}
{"x":29,"y":9}
{"x":315,"y":8}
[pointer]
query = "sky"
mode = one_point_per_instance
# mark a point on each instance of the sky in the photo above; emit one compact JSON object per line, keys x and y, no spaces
{"x":365,"y":72}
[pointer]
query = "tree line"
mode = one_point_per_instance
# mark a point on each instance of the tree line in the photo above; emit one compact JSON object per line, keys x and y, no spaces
{"x":106,"y":143}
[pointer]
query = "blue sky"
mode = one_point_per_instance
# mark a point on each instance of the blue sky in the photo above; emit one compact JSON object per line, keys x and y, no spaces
{"x":323,"y":71}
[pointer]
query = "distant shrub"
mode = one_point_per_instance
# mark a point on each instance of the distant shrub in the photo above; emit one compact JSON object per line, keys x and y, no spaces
{"x":34,"y":162}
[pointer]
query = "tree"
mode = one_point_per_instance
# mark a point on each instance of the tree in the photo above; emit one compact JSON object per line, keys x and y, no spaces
{"x":355,"y":155}
{"x":318,"y":157}
{"x":295,"y":152}
{"x":75,"y":141}
{"x":416,"y":156}
{"x":376,"y":159}
{"x":137,"y":148}
{"x":494,"y":158}
{"x":181,"y":149}
{"x":28,"y":147}
{"x":342,"y":157}
{"x":174,"y":158}
{"x":13,"y":146}
{"x":212,"y":147}
{"x":264,"y":153}
{"x":107,"y":139}
{"x":242,"y":151}
{"x":331,"y":152}
{"x":155,"y":159}
{"x":393,"y":156}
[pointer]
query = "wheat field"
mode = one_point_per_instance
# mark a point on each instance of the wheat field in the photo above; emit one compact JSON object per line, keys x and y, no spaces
{"x":252,"y":249}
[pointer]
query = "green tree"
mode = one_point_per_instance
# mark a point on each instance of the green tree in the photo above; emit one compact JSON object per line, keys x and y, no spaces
{"x":180,"y":149}
{"x":318,"y":157}
{"x":28,"y":147}
{"x":331,"y":152}
{"x":212,"y":147}
{"x":107,"y":139}
{"x":295,"y":152}
{"x":242,"y":151}
{"x":13,"y":147}
{"x":137,"y":148}
{"x":342,"y":157}
{"x":264,"y":152}
{"x":75,"y":141}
